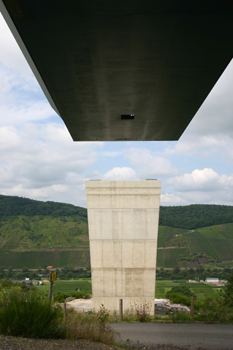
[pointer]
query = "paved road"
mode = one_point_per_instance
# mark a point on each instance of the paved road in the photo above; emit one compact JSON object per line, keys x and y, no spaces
{"x":207,"y":336}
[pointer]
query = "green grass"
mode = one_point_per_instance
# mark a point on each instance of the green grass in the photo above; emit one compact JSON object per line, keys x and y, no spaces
{"x":169,"y":257}
{"x":39,"y":231}
{"x":216,"y":241}
{"x":162,"y":287}
{"x":223,"y":249}
{"x":166,"y":233}
{"x":29,"y":316}
{"x":200,"y":289}
{"x":67,"y":286}
{"x":36,"y":259}
{"x":230,"y":263}
{"x":208,"y":232}
{"x":202,"y":245}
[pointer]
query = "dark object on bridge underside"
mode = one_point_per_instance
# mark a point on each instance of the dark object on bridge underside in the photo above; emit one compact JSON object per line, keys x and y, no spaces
{"x":127,"y":116}
{"x":95,"y":59}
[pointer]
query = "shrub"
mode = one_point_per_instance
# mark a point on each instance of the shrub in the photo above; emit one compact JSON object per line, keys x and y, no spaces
{"x":229,"y":292}
{"x":215,"y":311}
{"x":61,"y":297}
{"x":29,"y":316}
{"x":179,"y":299}
{"x":182,"y":290}
{"x":91,"y":325}
{"x":142,"y":310}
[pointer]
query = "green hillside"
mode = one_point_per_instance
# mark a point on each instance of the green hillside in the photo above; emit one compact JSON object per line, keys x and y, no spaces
{"x":36,"y":259}
{"x":34,"y":233}
{"x":185,"y":248}
{"x":12,"y":205}
{"x":187,"y":217}
{"x":20,"y":232}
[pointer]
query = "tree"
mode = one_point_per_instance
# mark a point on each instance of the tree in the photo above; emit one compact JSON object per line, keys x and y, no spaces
{"x":182,"y":290}
{"x":229,"y":291}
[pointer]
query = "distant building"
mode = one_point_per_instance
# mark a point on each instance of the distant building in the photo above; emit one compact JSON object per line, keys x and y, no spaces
{"x":27,"y":281}
{"x":192,"y":281}
{"x":212,"y":280}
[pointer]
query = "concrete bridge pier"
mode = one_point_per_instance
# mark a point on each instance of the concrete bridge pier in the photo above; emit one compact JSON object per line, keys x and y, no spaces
{"x":123,"y":219}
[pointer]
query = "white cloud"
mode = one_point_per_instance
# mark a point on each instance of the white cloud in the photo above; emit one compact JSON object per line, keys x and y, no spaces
{"x":170,"y":199}
{"x":12,"y":58}
{"x":112,"y":154}
{"x":200,"y":145}
{"x":201,"y":180}
{"x":13,"y":113}
{"x":149,"y":164}
{"x":118,"y":174}
{"x":42,"y":161}
{"x":198,"y":197}
{"x":215,"y":115}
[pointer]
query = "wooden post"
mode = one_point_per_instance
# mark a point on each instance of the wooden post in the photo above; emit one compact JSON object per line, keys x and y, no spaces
{"x":121,"y":309}
{"x":50,"y":285}
{"x":192,"y":308}
{"x":64,"y":312}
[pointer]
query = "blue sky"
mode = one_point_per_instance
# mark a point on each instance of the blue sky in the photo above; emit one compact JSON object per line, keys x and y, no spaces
{"x":39,"y":160}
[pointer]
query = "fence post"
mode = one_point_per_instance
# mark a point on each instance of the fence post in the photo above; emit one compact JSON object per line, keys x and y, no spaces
{"x":64,"y":311}
{"x":121,"y":309}
{"x":50,"y":285}
{"x":192,"y":308}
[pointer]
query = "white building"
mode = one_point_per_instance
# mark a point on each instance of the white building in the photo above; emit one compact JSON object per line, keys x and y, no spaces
{"x":212,"y":280}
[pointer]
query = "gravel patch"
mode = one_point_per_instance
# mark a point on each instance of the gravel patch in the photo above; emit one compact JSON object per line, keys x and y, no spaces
{"x":137,"y":346}
{"x":18,"y":343}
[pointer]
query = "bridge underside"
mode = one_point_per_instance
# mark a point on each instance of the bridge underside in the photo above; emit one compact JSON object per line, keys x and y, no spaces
{"x":153,"y":62}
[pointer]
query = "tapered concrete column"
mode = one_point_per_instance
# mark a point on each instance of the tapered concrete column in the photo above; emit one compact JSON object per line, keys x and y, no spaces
{"x":123,"y":219}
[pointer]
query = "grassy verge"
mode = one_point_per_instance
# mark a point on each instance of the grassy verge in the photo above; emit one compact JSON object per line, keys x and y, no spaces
{"x":31,"y":316}
{"x":67,"y":286}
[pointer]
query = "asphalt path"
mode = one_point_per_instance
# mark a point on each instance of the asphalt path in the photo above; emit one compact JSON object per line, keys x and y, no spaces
{"x":194,"y":336}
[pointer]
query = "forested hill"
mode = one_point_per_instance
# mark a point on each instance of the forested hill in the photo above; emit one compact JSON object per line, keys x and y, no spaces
{"x":195,"y":216}
{"x":11,"y":205}
{"x":187,"y":217}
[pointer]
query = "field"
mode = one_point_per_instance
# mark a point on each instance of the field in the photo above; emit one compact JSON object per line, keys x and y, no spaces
{"x":169,"y":257}
{"x":223,"y":249}
{"x":68,"y":286}
{"x":202,"y":245}
{"x":215,"y":241}
{"x":162,"y":287}
{"x":200,"y":289}
{"x":229,"y":263}
{"x":36,"y":259}
{"x":166,"y":234}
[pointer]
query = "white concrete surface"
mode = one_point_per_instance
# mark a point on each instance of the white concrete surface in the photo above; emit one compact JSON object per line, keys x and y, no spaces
{"x":123,"y":219}
{"x":80,"y":304}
